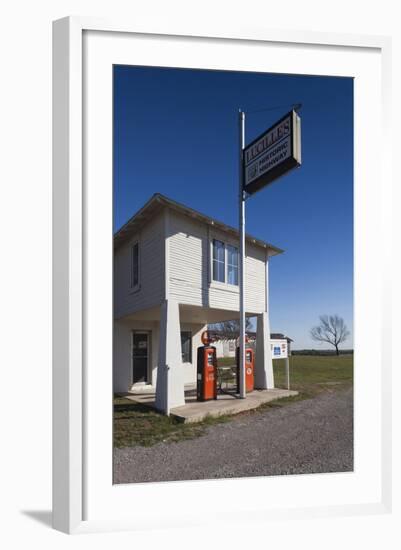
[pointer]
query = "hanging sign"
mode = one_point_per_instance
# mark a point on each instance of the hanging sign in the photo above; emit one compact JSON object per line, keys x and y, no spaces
{"x":273,"y":154}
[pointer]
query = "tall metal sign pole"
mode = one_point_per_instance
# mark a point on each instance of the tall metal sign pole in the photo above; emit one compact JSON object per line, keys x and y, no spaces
{"x":241,"y":202}
{"x":264,"y":160}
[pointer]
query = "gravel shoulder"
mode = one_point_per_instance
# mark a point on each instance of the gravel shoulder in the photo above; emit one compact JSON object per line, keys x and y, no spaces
{"x":310,"y":436}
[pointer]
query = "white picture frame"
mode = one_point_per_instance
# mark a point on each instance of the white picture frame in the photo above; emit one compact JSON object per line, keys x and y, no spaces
{"x":74,"y":478}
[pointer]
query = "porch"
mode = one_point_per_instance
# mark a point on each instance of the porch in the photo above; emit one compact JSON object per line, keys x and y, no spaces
{"x":151,"y":343}
{"x":225,"y":404}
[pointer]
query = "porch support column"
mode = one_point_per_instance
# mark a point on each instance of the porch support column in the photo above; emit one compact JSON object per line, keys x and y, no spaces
{"x":264,"y":377}
{"x":170,"y":374}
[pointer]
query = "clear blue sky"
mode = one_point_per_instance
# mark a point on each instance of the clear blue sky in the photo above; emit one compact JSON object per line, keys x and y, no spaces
{"x":176,"y":133}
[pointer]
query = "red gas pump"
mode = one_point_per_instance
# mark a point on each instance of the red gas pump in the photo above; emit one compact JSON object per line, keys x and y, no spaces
{"x":249,"y":368}
{"x":206,"y":386}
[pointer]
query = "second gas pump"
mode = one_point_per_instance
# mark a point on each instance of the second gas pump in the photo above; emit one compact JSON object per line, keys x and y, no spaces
{"x":249,"y":368}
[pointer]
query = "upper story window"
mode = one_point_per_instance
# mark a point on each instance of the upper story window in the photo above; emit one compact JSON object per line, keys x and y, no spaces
{"x":219,"y":261}
{"x":225,"y":263}
{"x":232,"y":265}
{"x":135,"y":265}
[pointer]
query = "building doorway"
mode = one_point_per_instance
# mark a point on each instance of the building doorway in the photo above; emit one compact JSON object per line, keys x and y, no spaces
{"x":140,"y":356}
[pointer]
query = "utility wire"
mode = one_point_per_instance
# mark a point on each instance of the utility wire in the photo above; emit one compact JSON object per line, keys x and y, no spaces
{"x":295,"y":106}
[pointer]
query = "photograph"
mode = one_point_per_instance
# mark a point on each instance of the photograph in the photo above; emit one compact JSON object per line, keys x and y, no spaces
{"x":210,"y":195}
{"x":233,"y":277}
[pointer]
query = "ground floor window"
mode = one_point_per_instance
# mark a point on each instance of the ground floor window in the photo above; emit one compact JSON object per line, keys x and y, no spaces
{"x":186,"y":346}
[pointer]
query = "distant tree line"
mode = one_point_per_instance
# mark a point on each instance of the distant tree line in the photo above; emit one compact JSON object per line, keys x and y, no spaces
{"x":321,"y":352}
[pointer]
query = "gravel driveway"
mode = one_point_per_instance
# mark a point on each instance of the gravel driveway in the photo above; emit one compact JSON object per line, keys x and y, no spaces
{"x":314,"y":435}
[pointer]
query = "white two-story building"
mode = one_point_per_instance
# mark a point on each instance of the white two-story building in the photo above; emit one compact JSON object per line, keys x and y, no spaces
{"x":175,"y":272}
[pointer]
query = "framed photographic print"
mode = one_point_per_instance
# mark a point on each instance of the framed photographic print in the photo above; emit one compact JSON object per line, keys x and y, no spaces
{"x":208,"y":185}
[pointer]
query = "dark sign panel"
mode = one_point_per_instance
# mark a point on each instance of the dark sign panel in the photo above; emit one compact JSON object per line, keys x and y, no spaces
{"x":273,"y":154}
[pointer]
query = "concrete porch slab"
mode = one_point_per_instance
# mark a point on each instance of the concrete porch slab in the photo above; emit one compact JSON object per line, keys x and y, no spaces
{"x":196,"y":411}
{"x":227,"y":404}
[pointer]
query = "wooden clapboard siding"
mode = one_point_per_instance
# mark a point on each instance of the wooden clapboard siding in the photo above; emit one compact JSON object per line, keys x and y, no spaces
{"x":185,"y":244}
{"x":151,"y":289}
{"x":190,"y":272}
{"x":187,"y":258}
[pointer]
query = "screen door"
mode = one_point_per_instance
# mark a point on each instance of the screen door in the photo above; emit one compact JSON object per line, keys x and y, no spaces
{"x":140,"y":356}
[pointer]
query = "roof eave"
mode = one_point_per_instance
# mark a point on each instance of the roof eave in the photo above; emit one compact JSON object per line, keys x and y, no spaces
{"x":169,"y":203}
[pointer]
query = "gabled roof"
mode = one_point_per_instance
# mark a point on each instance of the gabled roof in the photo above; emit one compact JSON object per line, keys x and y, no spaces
{"x":279,"y":336}
{"x":157,"y":202}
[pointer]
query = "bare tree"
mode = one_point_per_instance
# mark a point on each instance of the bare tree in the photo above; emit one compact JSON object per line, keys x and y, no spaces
{"x":332,"y":330}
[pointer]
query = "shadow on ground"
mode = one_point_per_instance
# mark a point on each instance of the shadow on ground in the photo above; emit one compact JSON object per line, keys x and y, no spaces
{"x":41,"y":516}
